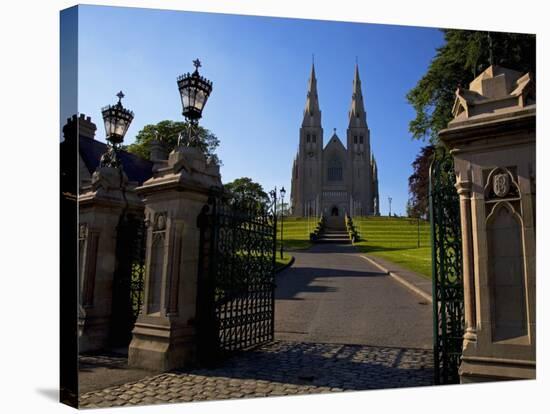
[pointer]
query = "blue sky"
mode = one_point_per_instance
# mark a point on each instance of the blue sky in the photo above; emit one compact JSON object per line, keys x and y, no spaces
{"x":259,"y":67}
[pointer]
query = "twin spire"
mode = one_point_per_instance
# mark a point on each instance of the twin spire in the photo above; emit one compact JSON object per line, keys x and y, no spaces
{"x":312,"y":113}
{"x":357,"y":114}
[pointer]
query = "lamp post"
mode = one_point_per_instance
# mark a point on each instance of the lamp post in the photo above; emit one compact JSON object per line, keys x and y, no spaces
{"x":389,"y":199}
{"x":273,"y":194}
{"x":117,"y":120}
{"x":194,"y":92}
{"x":283,"y":192}
{"x":418,"y":231}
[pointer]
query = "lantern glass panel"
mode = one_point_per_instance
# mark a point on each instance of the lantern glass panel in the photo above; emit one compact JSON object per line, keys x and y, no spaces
{"x":120,"y":127}
{"x":107,"y":122}
{"x":185,"y":98}
{"x":200,"y":99}
{"x":192,"y":100}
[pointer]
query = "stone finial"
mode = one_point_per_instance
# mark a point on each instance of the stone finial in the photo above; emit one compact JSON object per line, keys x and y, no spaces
{"x":109,"y":179}
{"x":158,"y":150}
{"x":495,"y":90}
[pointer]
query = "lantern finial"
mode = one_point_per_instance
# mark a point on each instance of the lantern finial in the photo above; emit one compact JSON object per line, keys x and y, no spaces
{"x":197,"y":64}
{"x":120,"y":95}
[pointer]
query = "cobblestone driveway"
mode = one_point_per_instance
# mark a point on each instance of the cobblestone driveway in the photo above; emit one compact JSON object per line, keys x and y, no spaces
{"x":278,"y":368}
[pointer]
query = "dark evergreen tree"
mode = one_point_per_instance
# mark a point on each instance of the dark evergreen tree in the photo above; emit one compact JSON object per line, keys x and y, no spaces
{"x":418,"y":205}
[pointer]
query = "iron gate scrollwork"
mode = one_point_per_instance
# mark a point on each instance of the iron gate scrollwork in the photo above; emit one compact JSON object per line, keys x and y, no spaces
{"x":128,"y":278}
{"x":236,"y":283}
{"x":448,"y":298}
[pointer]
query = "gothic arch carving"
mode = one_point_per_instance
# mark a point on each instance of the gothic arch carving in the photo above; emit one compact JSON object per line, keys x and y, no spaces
{"x":506,"y":272}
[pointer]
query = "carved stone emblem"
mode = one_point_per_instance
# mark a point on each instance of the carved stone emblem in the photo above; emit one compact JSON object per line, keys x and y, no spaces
{"x":161,"y":222}
{"x":501,"y":184}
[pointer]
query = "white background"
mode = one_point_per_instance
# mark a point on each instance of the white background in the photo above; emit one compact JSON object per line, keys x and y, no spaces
{"x":29,"y":99}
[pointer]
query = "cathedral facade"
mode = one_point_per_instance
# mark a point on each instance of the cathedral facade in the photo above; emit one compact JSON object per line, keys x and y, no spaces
{"x":334,"y":180}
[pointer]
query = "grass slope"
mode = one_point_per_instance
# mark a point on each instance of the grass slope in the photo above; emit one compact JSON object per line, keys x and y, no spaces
{"x":295,"y":232}
{"x":397,"y":239}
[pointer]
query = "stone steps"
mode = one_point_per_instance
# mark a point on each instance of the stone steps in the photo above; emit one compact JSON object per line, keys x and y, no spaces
{"x":334,"y":236}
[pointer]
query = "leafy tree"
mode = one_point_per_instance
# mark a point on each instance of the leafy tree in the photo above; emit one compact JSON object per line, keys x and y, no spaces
{"x":464,"y":55}
{"x":417,"y":206}
{"x":168,"y":132}
{"x":244,"y":189}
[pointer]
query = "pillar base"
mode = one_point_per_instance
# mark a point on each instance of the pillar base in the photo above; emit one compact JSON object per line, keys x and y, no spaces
{"x":161,"y":347}
{"x":93,"y":333}
{"x":484,"y":369}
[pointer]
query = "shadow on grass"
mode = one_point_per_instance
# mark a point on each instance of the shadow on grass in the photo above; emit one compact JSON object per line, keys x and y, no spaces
{"x":373,"y":249}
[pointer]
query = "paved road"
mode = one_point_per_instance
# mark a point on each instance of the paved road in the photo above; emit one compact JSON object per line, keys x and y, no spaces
{"x":332,"y":295}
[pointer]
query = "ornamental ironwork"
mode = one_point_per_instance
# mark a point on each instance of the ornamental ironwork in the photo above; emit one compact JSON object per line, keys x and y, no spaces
{"x":128,"y":277}
{"x":448,"y":297}
{"x":236,"y":281}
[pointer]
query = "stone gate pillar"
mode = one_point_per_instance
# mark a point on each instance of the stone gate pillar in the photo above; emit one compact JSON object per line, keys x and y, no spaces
{"x":164,"y":335}
{"x":492,"y":139}
{"x":100,"y":208}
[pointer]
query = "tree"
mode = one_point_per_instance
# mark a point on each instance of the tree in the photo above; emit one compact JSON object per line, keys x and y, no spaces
{"x":417,"y":206}
{"x":168,"y":132}
{"x":247,"y":190}
{"x":464,"y":55}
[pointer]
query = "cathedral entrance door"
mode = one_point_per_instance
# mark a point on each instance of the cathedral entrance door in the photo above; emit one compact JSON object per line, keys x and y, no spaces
{"x":334,"y":211}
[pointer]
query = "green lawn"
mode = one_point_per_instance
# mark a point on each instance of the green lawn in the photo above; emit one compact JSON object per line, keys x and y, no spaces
{"x":396,"y":239}
{"x":295,"y":232}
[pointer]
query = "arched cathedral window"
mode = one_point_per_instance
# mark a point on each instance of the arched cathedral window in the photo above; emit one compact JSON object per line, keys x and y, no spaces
{"x":334,"y":172}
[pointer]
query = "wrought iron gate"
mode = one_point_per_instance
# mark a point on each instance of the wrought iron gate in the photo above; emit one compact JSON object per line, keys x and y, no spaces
{"x":236,"y":283}
{"x":448,"y":300}
{"x":128,"y":278}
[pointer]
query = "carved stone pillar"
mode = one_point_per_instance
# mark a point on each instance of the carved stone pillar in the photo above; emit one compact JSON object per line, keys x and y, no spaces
{"x":464,"y":189}
{"x":100,"y":208}
{"x":164,"y":334}
{"x":492,"y":140}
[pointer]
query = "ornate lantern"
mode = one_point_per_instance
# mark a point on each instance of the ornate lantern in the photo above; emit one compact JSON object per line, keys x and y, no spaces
{"x":194,"y":92}
{"x":117,"y":120}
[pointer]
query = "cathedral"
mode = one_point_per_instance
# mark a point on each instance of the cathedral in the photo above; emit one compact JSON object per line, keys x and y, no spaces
{"x":337,"y":179}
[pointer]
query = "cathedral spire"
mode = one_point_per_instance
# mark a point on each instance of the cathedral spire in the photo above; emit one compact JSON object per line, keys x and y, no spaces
{"x":357,"y":115}
{"x":312,"y":113}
